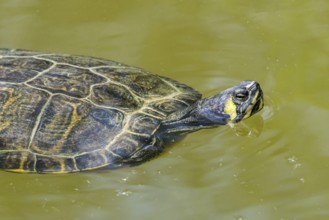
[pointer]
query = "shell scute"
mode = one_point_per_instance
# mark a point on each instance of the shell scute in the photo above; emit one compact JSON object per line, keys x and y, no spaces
{"x":127,"y":144}
{"x":13,"y":69}
{"x":143,"y":124}
{"x":115,"y":96}
{"x":19,"y":161}
{"x":95,"y":160}
{"x":19,"y":109}
{"x":79,"y":61}
{"x":54,"y":164}
{"x":65,"y":130}
{"x":67,"y":80}
{"x":141,"y":83}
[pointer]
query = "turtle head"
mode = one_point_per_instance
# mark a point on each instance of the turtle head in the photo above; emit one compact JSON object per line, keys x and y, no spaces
{"x":233,"y":104}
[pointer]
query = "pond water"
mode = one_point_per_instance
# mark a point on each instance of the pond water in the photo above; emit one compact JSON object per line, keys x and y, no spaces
{"x":274,"y":166}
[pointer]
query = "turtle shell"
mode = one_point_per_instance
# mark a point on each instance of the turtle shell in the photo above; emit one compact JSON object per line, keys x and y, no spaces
{"x":63,"y":113}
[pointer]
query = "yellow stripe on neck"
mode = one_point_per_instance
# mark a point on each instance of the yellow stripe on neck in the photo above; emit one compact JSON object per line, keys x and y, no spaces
{"x":230,"y":108}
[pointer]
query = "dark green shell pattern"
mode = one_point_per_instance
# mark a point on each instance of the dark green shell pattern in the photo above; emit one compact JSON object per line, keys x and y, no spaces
{"x":63,"y":113}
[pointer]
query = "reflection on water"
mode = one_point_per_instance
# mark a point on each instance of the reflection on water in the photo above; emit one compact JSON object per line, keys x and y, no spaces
{"x":276,"y":169}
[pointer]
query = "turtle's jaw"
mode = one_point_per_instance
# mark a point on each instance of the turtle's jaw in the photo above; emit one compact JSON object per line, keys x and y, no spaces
{"x":257,"y":106}
{"x":254,"y":108}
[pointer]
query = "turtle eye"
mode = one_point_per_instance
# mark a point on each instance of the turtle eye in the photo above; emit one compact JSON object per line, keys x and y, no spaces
{"x":241,"y":95}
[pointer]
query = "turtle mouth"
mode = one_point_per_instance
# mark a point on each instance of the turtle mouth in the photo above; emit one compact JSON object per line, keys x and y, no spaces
{"x":257,"y":106}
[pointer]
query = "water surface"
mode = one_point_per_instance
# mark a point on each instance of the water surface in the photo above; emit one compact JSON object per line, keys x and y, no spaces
{"x":279,"y":171}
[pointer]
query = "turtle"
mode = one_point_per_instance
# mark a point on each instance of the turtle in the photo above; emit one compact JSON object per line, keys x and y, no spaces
{"x":64,"y":113}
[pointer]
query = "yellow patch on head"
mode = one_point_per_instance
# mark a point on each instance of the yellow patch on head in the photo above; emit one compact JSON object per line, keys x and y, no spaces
{"x":230,"y":108}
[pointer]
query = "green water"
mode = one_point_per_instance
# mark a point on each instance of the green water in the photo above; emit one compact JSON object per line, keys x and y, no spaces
{"x":279,"y":171}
